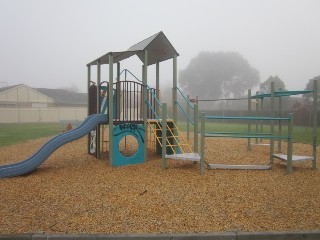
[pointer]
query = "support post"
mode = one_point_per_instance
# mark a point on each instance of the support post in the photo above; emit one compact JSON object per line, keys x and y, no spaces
{"x":164,"y":135}
{"x":290,"y":140}
{"x":257,"y":114}
{"x":88,"y":86}
{"x":280,"y":124}
{"x":272,"y":124}
{"x":249,"y":123}
{"x":158,"y":86}
{"x":110,"y":108}
{"x":202,"y":143}
{"x":145,"y":98}
{"x":195,"y":127}
{"x":315,"y":123}
{"x":174,"y":90}
{"x":118,"y":93}
{"x":188,"y":113}
{"x":98,"y":154}
{"x":261,"y":115}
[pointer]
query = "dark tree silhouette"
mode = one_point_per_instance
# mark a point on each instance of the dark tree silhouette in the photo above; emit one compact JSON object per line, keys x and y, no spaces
{"x":218,"y":75}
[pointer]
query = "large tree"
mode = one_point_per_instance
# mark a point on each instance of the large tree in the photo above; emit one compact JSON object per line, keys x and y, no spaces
{"x":218,"y":75}
{"x":278,"y":84}
{"x":309,"y":86}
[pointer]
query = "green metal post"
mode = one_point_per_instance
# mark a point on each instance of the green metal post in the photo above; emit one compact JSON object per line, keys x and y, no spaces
{"x":290,"y":136}
{"x":257,"y":113}
{"x":110,"y":108}
{"x":249,"y":123}
{"x":118,"y":93}
{"x":145,"y":98}
{"x":88,"y":86}
{"x":280,"y":124}
{"x":261,"y":115}
{"x":98,"y":154}
{"x":315,"y":123}
{"x":118,"y":71}
{"x":188,"y":113}
{"x":158,"y":87}
{"x":175,"y":84}
{"x":202,"y":143}
{"x":164,"y":135}
{"x":272,"y":124}
{"x":195,"y":127}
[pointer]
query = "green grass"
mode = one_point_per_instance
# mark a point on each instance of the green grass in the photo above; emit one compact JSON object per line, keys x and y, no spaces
{"x":13,"y":133}
{"x":300,"y":134}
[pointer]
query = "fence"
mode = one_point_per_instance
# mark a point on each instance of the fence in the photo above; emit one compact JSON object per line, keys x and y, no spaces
{"x":24,"y":115}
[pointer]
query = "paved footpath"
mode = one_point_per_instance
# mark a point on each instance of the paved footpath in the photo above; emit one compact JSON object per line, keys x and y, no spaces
{"x":233,"y":235}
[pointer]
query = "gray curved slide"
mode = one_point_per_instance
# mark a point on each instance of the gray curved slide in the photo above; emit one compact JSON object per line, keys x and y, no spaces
{"x":30,"y":164}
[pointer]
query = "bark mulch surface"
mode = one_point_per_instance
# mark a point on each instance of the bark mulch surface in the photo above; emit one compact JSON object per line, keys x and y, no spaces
{"x":72,"y":192}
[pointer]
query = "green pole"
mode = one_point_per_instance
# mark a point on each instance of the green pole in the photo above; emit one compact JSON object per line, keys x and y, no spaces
{"x":98,"y":154}
{"x":315,"y":123}
{"x":195,"y":127}
{"x":261,"y":114}
{"x":188,"y":113}
{"x":118,"y":93}
{"x":202,"y":143}
{"x":157,"y":86}
{"x":145,"y":98}
{"x":164,"y":135}
{"x":290,"y":136}
{"x":174,"y":93}
{"x":249,"y":123}
{"x":257,"y":113}
{"x":280,"y":126}
{"x":110,"y":107}
{"x":272,"y":124}
{"x":174,"y":96}
{"x":88,"y":86}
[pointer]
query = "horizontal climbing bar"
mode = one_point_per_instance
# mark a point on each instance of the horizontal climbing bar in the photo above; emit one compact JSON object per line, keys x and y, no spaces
{"x":247,"y":118}
{"x":248,"y":133}
{"x":255,"y":136}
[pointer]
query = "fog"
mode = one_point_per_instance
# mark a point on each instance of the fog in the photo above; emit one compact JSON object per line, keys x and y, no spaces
{"x":47,"y":43}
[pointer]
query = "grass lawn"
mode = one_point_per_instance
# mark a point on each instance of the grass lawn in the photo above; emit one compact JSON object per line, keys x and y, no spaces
{"x":12,"y":133}
{"x":300,"y":134}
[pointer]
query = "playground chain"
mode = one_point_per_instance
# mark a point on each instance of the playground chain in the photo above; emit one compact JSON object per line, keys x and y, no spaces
{"x":72,"y":192}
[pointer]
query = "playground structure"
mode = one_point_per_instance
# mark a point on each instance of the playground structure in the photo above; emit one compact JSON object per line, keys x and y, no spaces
{"x":130,"y":108}
{"x":272,"y":135}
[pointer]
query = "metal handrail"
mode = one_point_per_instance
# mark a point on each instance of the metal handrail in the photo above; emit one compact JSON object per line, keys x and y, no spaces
{"x":192,"y":107}
{"x":186,"y":114}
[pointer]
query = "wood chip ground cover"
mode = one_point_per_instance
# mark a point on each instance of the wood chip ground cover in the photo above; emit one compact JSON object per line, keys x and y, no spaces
{"x":72,"y":192}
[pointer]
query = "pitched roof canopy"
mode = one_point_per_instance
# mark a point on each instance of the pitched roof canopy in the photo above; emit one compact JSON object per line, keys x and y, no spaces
{"x":158,"y":46}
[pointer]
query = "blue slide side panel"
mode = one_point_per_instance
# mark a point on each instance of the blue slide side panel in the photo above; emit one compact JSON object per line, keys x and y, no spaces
{"x":48,"y":148}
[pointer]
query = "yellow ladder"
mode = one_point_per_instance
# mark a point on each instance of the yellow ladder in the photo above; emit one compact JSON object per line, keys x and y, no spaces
{"x":175,"y":140}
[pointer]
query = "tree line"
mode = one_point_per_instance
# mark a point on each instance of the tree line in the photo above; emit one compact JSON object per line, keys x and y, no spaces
{"x":225,"y":75}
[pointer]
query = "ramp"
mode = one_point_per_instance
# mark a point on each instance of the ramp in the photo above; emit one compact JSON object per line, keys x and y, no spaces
{"x":30,"y":164}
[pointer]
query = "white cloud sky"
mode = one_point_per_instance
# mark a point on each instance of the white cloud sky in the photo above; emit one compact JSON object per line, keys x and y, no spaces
{"x":47,"y":43}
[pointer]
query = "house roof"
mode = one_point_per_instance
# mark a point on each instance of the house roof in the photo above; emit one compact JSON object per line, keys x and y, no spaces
{"x":59,"y":96}
{"x":63,"y":96}
{"x":10,"y":88}
{"x":158,"y":46}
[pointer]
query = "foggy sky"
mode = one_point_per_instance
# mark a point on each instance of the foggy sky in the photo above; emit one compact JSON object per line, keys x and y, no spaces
{"x":47,"y":43}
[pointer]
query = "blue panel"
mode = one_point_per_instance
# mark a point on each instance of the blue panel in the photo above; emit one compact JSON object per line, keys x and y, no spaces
{"x":128,"y":129}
